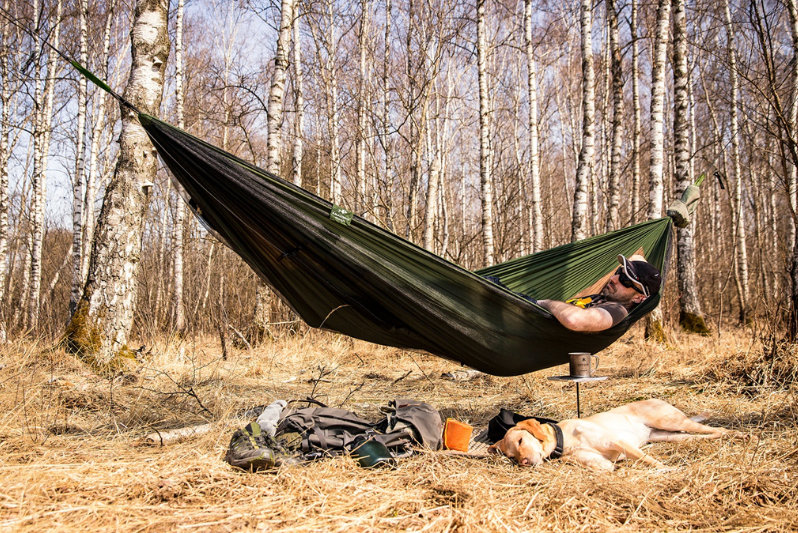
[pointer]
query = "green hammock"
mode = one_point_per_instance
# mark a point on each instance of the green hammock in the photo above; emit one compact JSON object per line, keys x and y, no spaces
{"x":340,"y":272}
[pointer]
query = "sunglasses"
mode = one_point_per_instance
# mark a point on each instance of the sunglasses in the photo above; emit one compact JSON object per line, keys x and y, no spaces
{"x":630,"y":283}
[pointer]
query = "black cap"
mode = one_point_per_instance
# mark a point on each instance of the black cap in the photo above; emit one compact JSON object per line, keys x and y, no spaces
{"x":645,"y":277}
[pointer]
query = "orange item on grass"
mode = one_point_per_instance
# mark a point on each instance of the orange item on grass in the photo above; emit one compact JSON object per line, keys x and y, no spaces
{"x":456,"y":435}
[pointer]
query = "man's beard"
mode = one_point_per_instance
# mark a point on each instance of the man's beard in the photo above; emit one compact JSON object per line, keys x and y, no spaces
{"x":611,"y":296}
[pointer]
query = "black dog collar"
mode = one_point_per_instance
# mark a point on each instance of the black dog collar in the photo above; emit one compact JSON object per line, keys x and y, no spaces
{"x":557,"y":452}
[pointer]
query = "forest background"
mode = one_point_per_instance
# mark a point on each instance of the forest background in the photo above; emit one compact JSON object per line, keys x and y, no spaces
{"x":482,"y":131}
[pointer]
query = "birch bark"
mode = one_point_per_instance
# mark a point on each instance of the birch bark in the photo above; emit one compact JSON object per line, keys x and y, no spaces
{"x":360,"y":149}
{"x":274,"y":140}
{"x":431,"y":212}
{"x":654,"y":322}
{"x":5,"y":152}
{"x":737,"y":190}
{"x":77,"y":185}
{"x":329,"y":76}
{"x":415,"y":128}
{"x":98,"y":329}
{"x":299,"y":103}
{"x":584,"y":169}
{"x":277,"y":90}
{"x":385,"y":122}
{"x":536,"y":211}
{"x":792,"y":7}
{"x":179,"y":315}
{"x":636,"y":121}
{"x":613,"y":218}
{"x":484,"y":141}
{"x":691,"y":318}
{"x":656,"y":163}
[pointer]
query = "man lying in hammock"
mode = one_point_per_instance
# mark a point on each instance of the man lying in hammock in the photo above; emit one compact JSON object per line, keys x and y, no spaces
{"x":633,"y":282}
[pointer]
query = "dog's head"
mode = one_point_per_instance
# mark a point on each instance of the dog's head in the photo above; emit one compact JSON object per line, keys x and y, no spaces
{"x":523,"y":443}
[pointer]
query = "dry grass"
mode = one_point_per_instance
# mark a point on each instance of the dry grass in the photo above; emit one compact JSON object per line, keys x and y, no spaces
{"x":72,"y":455}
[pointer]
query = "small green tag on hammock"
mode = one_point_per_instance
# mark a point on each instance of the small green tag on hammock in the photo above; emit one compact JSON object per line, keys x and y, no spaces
{"x":341,"y":215}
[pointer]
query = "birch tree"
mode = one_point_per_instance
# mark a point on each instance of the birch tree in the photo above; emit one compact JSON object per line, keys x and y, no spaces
{"x":77,"y":186}
{"x":299,"y":104}
{"x":274,"y":141}
{"x":657,"y":137}
{"x":636,"y":121}
{"x":536,"y":211}
{"x":738,"y":209}
{"x":433,"y":193}
{"x":654,"y":328}
{"x":178,"y":311}
{"x":792,"y":190}
{"x":584,"y":169}
{"x":360,"y":149}
{"x":385,"y":121}
{"x":484,"y":141}
{"x":5,"y":154}
{"x":614,"y":175}
{"x":98,"y":329}
{"x":690,"y":316}
{"x":277,"y":90}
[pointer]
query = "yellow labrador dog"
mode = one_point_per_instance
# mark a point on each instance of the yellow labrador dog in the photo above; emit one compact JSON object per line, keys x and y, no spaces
{"x":600,"y":440}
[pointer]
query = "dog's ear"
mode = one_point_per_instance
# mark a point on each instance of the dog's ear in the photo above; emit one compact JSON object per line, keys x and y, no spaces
{"x":496,"y":448}
{"x":533,"y":426}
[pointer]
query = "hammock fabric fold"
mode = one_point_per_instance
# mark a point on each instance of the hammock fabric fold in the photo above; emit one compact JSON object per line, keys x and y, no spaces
{"x":344,"y":274}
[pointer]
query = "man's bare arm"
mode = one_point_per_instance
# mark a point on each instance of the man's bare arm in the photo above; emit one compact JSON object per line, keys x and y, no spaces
{"x":578,"y":319}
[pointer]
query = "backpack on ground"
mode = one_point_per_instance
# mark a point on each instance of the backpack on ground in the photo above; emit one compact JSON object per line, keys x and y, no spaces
{"x":322,"y":431}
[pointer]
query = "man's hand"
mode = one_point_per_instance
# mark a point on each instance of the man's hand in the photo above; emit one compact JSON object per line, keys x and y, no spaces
{"x":578,"y":319}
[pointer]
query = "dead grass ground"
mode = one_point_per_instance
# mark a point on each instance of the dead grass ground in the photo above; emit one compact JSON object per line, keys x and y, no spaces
{"x":72,"y":455}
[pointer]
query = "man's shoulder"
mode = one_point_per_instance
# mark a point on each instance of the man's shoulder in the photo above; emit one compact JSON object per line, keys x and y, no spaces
{"x":617,"y":311}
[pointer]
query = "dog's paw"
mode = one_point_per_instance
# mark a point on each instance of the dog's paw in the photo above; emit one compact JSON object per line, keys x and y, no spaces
{"x":741,"y":435}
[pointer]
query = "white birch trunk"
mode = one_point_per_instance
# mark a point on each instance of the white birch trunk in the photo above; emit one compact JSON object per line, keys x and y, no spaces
{"x":654,"y":321}
{"x":792,"y":190}
{"x":433,"y":193}
{"x":360,"y":149}
{"x":332,"y":107}
{"x":27,"y":296}
{"x":636,"y":120}
{"x":98,"y":330}
{"x":77,"y":186}
{"x":614,"y":175}
{"x":277,"y":90}
{"x":299,"y":103}
{"x":656,"y":163}
{"x":5,"y":153}
{"x":584,"y":169}
{"x":274,"y":140}
{"x":488,"y":253}
{"x":690,"y":315}
{"x":178,"y":310}
{"x":737,"y":189}
{"x":385,"y":122}
{"x":536,"y":211}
